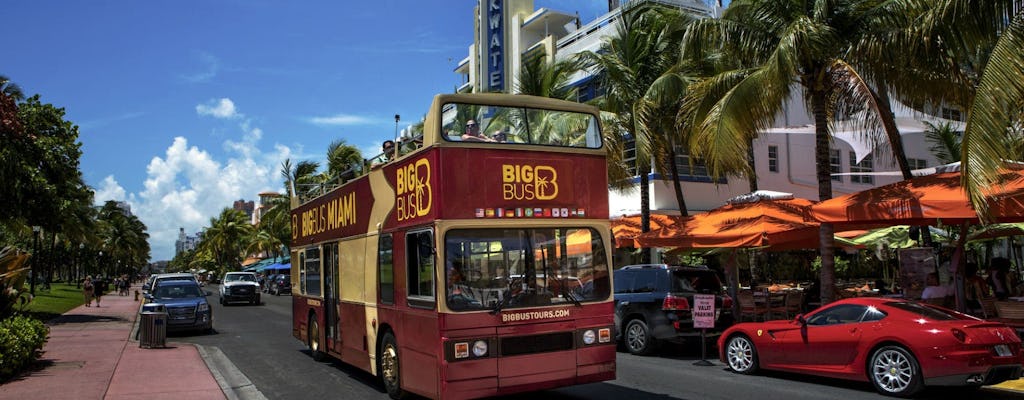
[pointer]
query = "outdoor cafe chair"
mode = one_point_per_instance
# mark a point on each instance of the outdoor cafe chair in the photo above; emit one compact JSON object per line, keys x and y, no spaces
{"x":750,"y":307}
{"x":791,"y":305}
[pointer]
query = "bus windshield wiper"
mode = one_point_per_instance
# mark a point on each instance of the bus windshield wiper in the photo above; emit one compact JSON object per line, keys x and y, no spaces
{"x":568,"y":294}
{"x":502,"y":303}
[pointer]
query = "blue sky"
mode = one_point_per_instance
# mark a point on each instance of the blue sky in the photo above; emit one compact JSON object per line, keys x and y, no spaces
{"x":185,"y":106}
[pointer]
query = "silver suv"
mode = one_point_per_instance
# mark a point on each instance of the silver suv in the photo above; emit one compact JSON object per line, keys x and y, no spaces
{"x":239,"y":286}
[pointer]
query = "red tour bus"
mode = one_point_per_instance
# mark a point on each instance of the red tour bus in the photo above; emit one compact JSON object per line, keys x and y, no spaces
{"x":471,"y":264}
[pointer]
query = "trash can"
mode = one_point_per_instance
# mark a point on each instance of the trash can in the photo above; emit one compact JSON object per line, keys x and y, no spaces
{"x":153,"y":326}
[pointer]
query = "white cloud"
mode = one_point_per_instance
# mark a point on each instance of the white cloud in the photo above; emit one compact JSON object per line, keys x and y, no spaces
{"x":223,"y":108}
{"x":109,"y":190}
{"x":187,"y":185}
{"x":342,"y":119}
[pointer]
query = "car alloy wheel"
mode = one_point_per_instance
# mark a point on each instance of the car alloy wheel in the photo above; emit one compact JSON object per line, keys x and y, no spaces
{"x":741,"y":355}
{"x":895,"y":371}
{"x":638,"y":338}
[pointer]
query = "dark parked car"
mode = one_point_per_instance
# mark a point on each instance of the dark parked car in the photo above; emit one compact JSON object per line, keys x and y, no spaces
{"x":281,"y":283}
{"x":653,"y":303}
{"x":186,"y":304}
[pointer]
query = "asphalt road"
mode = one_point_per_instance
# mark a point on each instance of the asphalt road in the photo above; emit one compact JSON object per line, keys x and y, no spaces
{"x":257,"y":339}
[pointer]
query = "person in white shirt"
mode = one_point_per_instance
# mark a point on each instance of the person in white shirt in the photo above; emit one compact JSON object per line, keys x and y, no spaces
{"x":934,"y":290}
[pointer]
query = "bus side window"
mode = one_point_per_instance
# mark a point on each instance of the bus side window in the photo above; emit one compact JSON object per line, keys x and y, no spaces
{"x":419,"y":247}
{"x":386,"y":269}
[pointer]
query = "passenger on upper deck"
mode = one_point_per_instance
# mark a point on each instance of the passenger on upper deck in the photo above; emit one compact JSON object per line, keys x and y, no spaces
{"x":500,"y":136}
{"x":387,"y":153}
{"x":473,"y":133}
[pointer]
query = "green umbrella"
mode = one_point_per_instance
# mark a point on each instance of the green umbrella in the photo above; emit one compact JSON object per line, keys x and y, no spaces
{"x":895,"y":237}
{"x":995,"y":231}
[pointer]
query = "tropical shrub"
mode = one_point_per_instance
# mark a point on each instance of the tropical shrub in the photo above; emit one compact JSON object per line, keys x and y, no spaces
{"x":12,"y":280}
{"x":21,"y":343}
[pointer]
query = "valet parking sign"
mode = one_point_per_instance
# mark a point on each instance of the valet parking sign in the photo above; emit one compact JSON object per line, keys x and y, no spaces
{"x":703,"y":311}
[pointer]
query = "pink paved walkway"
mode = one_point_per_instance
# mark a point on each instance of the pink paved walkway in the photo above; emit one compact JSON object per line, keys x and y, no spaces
{"x":91,"y":355}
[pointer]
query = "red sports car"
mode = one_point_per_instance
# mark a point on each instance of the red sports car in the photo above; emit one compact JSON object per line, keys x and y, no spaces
{"x":898,"y":345}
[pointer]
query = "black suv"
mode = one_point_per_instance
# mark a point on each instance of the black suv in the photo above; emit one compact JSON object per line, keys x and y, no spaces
{"x":653,"y":303}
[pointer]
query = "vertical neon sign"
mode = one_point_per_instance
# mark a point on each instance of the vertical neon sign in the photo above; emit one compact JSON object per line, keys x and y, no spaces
{"x":495,"y":50}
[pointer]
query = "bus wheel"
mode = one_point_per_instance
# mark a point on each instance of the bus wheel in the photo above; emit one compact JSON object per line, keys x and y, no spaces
{"x":313,"y":339}
{"x":389,"y":369}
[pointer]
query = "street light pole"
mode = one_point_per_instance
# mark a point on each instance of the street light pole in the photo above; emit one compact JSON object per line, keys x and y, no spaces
{"x":78,"y":265}
{"x":35,"y":257}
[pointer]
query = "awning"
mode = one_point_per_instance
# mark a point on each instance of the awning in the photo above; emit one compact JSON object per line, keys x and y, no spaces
{"x":923,"y":200}
{"x":277,"y":266}
{"x":761,"y":223}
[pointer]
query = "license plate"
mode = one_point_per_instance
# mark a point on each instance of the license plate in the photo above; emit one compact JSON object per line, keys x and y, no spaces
{"x":1003,"y":350}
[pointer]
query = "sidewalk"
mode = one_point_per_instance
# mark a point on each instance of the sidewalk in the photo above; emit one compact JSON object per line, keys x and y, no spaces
{"x":92,"y":354}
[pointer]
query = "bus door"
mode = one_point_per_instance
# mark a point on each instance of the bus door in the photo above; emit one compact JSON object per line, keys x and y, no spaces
{"x":332,"y":317}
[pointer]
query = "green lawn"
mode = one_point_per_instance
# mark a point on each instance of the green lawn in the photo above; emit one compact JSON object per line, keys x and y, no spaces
{"x":48,"y":304}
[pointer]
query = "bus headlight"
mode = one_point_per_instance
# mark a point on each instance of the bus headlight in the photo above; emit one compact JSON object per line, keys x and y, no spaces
{"x":589,"y":337}
{"x":605,"y":335}
{"x":479,"y":348}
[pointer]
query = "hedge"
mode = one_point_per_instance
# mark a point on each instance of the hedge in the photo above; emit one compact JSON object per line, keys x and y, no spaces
{"x":21,"y":343}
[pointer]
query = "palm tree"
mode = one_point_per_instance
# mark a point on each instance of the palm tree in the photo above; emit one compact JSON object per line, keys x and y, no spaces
{"x":225,"y":237}
{"x":780,"y":45}
{"x":998,"y":103}
{"x":299,"y":178}
{"x":341,"y":158}
{"x":945,"y":141}
{"x":543,"y":78}
{"x":627,"y":64}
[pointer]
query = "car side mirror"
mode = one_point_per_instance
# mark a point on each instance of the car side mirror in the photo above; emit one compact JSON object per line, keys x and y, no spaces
{"x":148,"y":296}
{"x":800,"y":319}
{"x":208,"y":293}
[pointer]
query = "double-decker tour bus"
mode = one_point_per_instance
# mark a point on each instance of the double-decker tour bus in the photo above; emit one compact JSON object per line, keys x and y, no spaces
{"x":475,"y":262}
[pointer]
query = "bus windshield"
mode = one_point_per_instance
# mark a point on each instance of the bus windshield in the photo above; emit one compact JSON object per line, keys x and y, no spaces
{"x":516,"y":125}
{"x":491,"y":269}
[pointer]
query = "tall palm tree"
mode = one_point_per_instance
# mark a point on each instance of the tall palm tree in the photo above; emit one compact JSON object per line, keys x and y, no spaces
{"x":780,"y":45}
{"x":300,"y":177}
{"x":225,"y":237}
{"x":341,"y":158}
{"x":541,"y":77}
{"x":627,"y":64}
{"x":997,"y":105}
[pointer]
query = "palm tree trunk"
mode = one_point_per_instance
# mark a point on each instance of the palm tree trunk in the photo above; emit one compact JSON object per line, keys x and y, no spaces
{"x":674,"y":167}
{"x":823,"y":172}
{"x":645,"y":211}
{"x":881,"y":96}
{"x":752,"y":177}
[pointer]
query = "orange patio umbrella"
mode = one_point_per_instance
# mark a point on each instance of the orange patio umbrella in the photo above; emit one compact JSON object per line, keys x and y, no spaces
{"x":776,"y":223}
{"x":627,"y":228}
{"x":923,"y":200}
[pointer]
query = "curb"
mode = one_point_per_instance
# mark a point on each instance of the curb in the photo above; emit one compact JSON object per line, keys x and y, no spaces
{"x":234,"y":384}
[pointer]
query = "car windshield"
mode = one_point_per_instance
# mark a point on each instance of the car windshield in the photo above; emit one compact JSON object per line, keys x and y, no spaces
{"x":177,"y":292}
{"x":924,"y":310}
{"x":696,"y":281}
{"x":509,"y":268}
{"x":240,"y":277}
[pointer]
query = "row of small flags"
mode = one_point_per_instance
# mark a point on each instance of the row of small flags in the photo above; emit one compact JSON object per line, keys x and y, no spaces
{"x":527,"y":212}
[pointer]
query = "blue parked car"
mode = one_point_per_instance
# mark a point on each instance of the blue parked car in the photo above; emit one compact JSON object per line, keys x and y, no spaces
{"x":186,"y":304}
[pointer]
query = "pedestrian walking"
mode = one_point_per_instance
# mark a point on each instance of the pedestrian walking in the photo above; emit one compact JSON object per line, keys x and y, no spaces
{"x":87,"y":290}
{"x":99,"y":288}
{"x":125,"y":284}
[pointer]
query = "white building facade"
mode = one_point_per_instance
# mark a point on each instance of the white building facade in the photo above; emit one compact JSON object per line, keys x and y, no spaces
{"x":507,"y":31}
